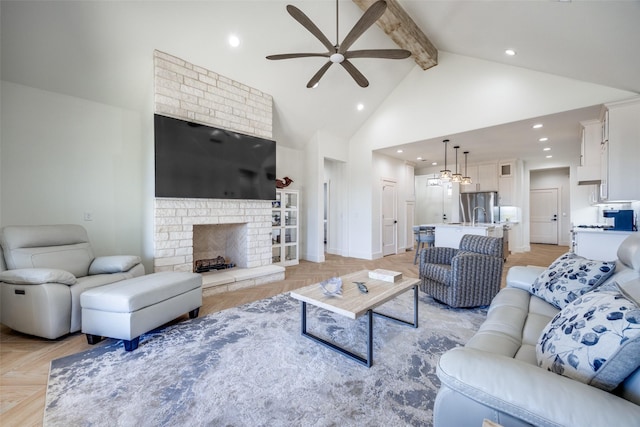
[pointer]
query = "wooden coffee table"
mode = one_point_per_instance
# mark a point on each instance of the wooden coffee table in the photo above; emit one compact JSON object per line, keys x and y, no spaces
{"x":353,"y":304}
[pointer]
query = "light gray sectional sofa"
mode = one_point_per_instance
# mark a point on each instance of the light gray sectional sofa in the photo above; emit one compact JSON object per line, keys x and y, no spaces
{"x":43,"y":271}
{"x":532,"y":363}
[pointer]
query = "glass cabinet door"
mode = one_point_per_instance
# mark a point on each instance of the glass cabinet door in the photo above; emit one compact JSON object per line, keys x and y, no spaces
{"x":284,"y":227}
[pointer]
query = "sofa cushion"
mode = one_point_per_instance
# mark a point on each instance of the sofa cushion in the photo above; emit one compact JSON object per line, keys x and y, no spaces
{"x":569,"y":277}
{"x":629,"y":251}
{"x":595,"y":339}
{"x":37,"y":276}
{"x":522,"y":277}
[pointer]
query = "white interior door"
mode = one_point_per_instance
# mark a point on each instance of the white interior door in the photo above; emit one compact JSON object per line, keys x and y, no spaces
{"x":389,"y":218}
{"x":544,"y":216}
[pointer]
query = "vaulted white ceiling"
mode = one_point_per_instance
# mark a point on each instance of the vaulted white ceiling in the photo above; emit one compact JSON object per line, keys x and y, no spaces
{"x":102,"y":50}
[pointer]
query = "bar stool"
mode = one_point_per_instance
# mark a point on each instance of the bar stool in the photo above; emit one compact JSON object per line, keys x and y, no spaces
{"x":424,"y":234}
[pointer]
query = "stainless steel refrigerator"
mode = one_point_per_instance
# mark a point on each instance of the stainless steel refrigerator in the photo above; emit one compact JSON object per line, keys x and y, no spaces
{"x":486,"y":203}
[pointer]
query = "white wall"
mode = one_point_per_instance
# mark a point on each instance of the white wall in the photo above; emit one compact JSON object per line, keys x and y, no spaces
{"x":336,"y":206}
{"x":386,"y":167}
{"x":290,"y":162}
{"x":458,"y":95}
{"x":63,"y":157}
{"x":463,"y":93}
{"x":324,"y":145}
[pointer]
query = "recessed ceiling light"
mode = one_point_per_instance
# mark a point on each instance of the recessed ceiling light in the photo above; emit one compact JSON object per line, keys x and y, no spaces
{"x":549,"y":156}
{"x":537,"y":126}
{"x":543,"y":139}
{"x":510,"y":52}
{"x":399,"y":151}
{"x":418,"y":158}
{"x":546,"y":149}
{"x":234,"y":41}
{"x":360,"y":107}
{"x":434,"y":163}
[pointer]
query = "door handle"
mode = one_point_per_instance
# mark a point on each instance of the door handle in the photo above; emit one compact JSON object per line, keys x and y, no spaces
{"x":395,"y":221}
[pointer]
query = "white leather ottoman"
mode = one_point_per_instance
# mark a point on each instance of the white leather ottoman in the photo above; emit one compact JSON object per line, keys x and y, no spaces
{"x":129,"y":308}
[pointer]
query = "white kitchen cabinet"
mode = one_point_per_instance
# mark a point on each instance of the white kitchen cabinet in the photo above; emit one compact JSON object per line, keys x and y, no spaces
{"x":505,"y":191}
{"x":620,"y":173}
{"x":284,"y":227}
{"x":603,"y":188}
{"x":484,"y":177}
{"x":589,"y":168}
{"x":598,"y":244}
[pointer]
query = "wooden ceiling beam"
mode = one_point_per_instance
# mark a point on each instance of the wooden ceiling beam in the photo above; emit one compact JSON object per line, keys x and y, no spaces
{"x":398,"y":25}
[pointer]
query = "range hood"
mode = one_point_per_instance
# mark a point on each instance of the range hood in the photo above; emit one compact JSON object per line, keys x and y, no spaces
{"x":590,"y":182}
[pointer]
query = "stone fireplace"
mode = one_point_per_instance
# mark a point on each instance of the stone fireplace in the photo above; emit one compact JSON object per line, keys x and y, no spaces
{"x":187,"y":229}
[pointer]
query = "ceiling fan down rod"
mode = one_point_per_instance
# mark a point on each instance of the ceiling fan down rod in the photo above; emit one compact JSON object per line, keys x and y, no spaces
{"x":337,"y":27}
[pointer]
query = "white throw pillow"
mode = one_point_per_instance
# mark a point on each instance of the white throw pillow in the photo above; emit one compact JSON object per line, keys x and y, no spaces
{"x":569,"y":277}
{"x":595,"y":339}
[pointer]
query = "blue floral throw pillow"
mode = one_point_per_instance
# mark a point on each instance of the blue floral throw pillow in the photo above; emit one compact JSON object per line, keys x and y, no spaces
{"x":595,"y":339}
{"x":569,"y":277}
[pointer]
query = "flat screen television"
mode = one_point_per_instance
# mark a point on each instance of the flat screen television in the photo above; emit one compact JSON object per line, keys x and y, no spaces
{"x":198,"y":161}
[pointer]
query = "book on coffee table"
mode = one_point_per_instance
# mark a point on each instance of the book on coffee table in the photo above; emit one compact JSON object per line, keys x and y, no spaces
{"x":385,"y":275}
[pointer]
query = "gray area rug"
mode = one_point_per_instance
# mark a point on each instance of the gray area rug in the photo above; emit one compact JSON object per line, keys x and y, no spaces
{"x":249,"y":366}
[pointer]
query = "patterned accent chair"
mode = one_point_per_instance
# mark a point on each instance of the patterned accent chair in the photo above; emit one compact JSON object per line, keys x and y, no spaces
{"x":465,"y":277}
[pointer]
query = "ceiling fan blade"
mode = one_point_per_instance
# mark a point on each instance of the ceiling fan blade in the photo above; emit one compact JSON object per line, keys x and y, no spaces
{"x":303,"y":19}
{"x":357,"y":75}
{"x":378,"y":53}
{"x":317,"y":76}
{"x":296,"y":55}
{"x":372,"y":14}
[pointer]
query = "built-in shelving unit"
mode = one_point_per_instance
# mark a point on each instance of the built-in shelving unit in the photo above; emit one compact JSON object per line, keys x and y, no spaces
{"x":284,"y":227}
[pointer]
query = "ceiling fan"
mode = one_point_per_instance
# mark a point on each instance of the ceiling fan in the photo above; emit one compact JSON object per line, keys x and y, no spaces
{"x":340,"y":53}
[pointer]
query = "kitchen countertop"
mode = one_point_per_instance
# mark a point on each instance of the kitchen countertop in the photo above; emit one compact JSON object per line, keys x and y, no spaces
{"x":599,"y":230}
{"x":463,"y":224}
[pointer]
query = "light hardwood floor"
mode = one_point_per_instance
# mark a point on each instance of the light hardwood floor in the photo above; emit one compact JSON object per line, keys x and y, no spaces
{"x":24,"y":360}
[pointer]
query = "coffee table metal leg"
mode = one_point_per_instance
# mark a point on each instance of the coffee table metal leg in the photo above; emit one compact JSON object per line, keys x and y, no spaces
{"x":370,"y":339}
{"x":366,"y":362}
{"x":415,"y":311}
{"x":369,"y":360}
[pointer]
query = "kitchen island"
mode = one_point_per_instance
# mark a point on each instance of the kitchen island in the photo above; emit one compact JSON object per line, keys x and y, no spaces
{"x":449,"y":234}
{"x":597,"y":243}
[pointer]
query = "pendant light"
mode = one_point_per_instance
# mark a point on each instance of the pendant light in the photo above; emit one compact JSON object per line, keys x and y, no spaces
{"x":434,"y":181}
{"x":466,"y":180}
{"x":456,"y":177}
{"x":445,"y":174}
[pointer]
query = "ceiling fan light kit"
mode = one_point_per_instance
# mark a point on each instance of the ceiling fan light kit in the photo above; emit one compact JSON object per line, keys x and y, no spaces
{"x":340,"y":53}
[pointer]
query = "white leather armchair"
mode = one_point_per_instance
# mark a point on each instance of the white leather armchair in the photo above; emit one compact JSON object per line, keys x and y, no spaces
{"x":43,"y":271}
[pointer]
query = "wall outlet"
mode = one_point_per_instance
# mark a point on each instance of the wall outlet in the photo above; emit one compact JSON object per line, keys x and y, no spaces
{"x":88,"y":216}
